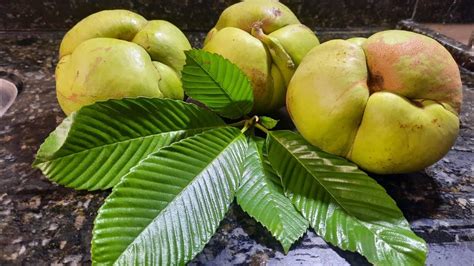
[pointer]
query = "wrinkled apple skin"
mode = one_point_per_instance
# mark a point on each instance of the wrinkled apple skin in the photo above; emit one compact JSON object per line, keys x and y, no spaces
{"x":164,"y":42}
{"x":243,"y":15}
{"x":377,"y":105}
{"x":297,"y":39}
{"x":118,"y":24}
{"x":115,"y":54}
{"x":233,"y":38}
{"x":320,"y":102}
{"x":398,"y":136}
{"x":414,"y":66}
{"x":105,"y":68}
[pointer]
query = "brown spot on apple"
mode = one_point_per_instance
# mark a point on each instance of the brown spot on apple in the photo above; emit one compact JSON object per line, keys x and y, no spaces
{"x":375,"y":82}
{"x":403,"y":125}
{"x":276,"y":12}
{"x":414,"y":66}
{"x":73,"y":97}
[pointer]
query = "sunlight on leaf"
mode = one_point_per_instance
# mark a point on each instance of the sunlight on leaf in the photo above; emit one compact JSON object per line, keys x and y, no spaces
{"x":261,"y":196}
{"x":168,"y":207}
{"x":219,"y":84}
{"x":343,"y":205}
{"x":94,"y":147}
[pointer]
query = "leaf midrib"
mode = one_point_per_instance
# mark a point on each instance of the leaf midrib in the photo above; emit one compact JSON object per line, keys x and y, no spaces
{"x":226,"y":93}
{"x":307,"y":170}
{"x":272,"y":198}
{"x":125,"y":141}
{"x":269,"y":187}
{"x":363,"y":223}
{"x":165,"y":209}
{"x":284,"y":238}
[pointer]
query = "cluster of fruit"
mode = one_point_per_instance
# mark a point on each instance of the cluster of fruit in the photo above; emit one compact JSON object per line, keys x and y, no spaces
{"x":390,"y":102}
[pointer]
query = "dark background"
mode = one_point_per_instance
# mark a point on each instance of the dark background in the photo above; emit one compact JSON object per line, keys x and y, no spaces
{"x":202,"y":15}
{"x":43,"y":223}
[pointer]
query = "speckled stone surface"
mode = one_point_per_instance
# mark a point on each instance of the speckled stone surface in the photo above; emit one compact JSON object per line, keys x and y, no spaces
{"x":42,"y":223}
{"x":202,"y":15}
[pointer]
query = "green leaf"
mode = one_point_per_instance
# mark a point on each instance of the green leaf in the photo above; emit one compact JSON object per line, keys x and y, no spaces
{"x":94,"y":147}
{"x":218,"y":83}
{"x":167,"y":208}
{"x":268,"y":122}
{"x":261,"y":196}
{"x":344,"y":205}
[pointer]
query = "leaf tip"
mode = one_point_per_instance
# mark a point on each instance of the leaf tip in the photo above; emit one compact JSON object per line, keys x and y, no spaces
{"x":286,"y":248}
{"x":35,"y":163}
{"x":268,"y":122}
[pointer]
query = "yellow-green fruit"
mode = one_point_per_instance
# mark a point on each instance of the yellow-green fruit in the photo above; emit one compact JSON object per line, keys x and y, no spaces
{"x":266,"y":40}
{"x":357,"y":40}
{"x":297,"y":40}
{"x":389,"y":103}
{"x":115,"y":54}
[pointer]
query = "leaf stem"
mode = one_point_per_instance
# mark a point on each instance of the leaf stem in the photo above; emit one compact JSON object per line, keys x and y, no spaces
{"x":247,"y":125}
{"x":238,"y":124}
{"x":250,"y":123}
{"x":262,"y":128}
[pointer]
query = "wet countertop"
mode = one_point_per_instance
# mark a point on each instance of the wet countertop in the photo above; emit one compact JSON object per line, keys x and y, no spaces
{"x":43,"y":223}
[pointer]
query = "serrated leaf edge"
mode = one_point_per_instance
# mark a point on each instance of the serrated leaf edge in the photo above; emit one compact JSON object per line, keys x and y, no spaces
{"x":220,"y":58}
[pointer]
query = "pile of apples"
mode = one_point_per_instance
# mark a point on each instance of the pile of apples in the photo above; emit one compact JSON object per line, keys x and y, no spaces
{"x":390,"y":103}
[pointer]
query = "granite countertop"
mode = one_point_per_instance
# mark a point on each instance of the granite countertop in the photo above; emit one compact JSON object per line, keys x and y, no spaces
{"x":43,"y":223}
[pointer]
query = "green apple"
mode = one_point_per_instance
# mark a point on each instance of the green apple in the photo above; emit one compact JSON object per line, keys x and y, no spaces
{"x":266,"y":40}
{"x":115,"y":54}
{"x":389,"y":103}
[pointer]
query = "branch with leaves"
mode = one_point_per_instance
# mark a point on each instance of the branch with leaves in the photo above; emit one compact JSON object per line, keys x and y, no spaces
{"x":175,"y":168}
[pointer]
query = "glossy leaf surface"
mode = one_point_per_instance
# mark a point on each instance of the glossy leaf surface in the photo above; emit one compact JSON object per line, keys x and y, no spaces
{"x":261,"y":196}
{"x":94,"y":147}
{"x":219,"y":84}
{"x":167,"y":208}
{"x":344,"y":205}
{"x":268,"y":122}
